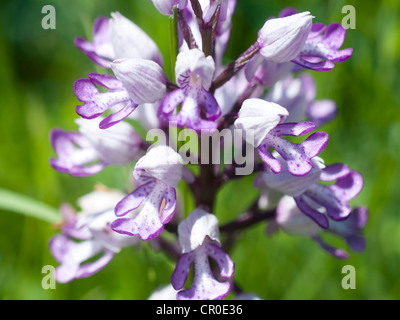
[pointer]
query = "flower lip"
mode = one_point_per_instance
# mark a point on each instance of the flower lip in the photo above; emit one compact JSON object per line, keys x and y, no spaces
{"x":199,"y":238}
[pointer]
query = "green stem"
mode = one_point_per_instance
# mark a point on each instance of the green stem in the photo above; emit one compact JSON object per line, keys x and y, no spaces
{"x":174,"y":43}
{"x":207,"y":188}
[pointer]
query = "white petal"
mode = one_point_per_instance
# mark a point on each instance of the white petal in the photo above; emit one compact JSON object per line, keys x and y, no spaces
{"x":163,"y":293}
{"x":98,"y":201}
{"x":162,"y":163}
{"x":143,"y":79}
{"x":291,"y":185}
{"x":192,"y":65}
{"x":293,"y":221}
{"x":117,"y":145}
{"x":129,"y":41}
{"x":195,"y":228}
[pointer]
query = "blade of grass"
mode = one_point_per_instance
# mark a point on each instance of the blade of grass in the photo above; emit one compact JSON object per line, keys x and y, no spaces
{"x":22,"y":204}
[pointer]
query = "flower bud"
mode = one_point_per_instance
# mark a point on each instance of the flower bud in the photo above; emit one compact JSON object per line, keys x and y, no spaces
{"x":282,"y":39}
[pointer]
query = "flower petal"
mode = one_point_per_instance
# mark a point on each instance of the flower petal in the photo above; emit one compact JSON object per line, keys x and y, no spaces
{"x":181,"y":271}
{"x":260,"y":117}
{"x":118,"y":116}
{"x":129,"y":41}
{"x":162,"y":163}
{"x":147,"y":222}
{"x":198,"y":226}
{"x":225,"y":264}
{"x":337,"y":253}
{"x":133,"y":200}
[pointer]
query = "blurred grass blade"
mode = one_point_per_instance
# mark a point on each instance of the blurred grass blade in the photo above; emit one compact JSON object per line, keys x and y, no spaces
{"x":22,"y":204}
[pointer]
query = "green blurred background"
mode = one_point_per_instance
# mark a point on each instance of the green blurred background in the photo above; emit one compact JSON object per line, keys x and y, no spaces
{"x":37,"y":71}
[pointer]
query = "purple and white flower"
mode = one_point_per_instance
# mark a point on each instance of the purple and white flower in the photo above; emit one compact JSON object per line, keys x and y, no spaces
{"x":194,"y":73}
{"x":90,"y":150}
{"x":152,"y":204}
{"x":322,"y":201}
{"x":87,"y":235}
{"x":320,"y":52}
{"x":118,"y":38}
{"x":293,"y":221}
{"x":138,"y":81}
{"x":199,"y":239}
{"x":263,"y":120}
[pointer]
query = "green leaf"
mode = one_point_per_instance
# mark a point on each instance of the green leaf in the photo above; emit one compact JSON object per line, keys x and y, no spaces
{"x":22,"y":204}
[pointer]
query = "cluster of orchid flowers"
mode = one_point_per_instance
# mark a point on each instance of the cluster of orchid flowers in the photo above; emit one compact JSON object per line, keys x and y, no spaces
{"x":264,"y":92}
